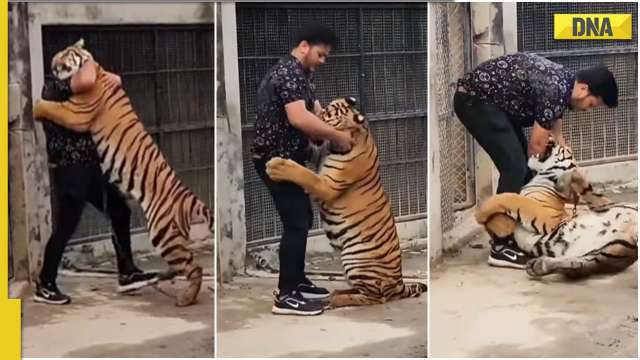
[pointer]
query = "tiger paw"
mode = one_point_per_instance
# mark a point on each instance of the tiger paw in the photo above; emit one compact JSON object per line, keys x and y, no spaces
{"x":538,"y":267}
{"x":279,"y":169}
{"x":189,"y":295}
{"x":38,"y":110}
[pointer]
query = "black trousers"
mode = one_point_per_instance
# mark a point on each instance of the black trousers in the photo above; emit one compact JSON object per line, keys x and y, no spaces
{"x":294,"y":208}
{"x":501,"y":137}
{"x":75,"y":186}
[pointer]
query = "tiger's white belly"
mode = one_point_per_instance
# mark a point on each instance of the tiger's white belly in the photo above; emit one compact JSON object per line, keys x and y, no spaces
{"x":585,"y":232}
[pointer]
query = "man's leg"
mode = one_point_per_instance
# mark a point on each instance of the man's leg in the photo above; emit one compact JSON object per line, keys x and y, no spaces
{"x":294,"y":208}
{"x":494,"y":131}
{"x":71,"y":193}
{"x":107,"y":199}
{"x":502,"y":140}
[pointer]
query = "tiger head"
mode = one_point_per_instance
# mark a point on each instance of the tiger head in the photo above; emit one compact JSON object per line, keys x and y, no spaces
{"x":558,"y":167}
{"x":343,"y":115}
{"x":556,"y":158}
{"x":68,"y":61}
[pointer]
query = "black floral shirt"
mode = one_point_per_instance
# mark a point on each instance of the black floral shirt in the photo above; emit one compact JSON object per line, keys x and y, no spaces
{"x":286,"y":82}
{"x":66,"y":147}
{"x":528,"y":87}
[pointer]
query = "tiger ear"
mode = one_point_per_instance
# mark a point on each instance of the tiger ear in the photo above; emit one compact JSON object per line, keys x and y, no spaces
{"x":79,"y":43}
{"x":350,"y":100}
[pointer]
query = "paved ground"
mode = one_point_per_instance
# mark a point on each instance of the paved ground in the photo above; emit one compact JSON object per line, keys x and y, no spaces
{"x":246,"y":326}
{"x":480,"y":311}
{"x":100,"y":323}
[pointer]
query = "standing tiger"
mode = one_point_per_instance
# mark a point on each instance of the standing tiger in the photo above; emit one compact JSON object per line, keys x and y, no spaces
{"x":355,"y":211}
{"x":133,"y":162}
{"x":602,"y":239}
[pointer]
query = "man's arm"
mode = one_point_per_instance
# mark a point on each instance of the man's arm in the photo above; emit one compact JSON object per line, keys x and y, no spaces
{"x":85,"y":78}
{"x":317,"y":108}
{"x":314,"y":127}
{"x":556,"y":131}
{"x":539,"y":139}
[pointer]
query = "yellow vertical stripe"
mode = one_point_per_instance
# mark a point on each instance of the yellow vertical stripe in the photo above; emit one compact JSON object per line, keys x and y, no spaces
{"x":9,"y":309}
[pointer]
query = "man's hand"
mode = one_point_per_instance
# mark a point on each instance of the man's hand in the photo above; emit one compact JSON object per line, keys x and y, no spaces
{"x":539,"y":139}
{"x":312,"y":126}
{"x":343,"y":141}
{"x":112,"y":79}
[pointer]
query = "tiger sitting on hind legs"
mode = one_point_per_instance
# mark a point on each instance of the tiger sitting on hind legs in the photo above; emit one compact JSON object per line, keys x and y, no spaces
{"x":133,"y":162}
{"x":602,"y":239}
{"x":355,"y":211}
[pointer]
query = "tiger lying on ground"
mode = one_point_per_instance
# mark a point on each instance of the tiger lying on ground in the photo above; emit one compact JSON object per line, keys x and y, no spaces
{"x":602,"y":239}
{"x":355,"y":211}
{"x":133,"y":162}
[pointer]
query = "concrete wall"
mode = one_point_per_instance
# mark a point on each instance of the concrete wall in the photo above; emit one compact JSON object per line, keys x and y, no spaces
{"x":231,"y":231}
{"x":29,"y":202}
{"x":487,"y":25}
{"x":435,"y":181}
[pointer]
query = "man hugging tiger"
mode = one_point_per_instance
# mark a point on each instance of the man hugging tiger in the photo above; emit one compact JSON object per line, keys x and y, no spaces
{"x":132,"y":161}
{"x":354,"y":208}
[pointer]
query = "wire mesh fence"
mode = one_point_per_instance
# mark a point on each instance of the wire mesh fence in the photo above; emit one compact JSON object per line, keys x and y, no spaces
{"x":450,"y":60}
{"x":601,"y":135}
{"x":167,"y":71}
{"x":380,"y":57}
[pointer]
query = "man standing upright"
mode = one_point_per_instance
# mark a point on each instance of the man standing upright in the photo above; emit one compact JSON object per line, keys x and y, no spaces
{"x":78,"y":180}
{"x":287,"y":117}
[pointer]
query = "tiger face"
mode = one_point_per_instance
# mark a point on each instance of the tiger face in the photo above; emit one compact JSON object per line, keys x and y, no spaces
{"x":558,"y":166}
{"x":343,"y":115}
{"x":555,"y":158}
{"x":68,"y":61}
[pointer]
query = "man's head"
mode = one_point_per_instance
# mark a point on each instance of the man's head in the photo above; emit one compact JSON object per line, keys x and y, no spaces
{"x":594,"y":87}
{"x":313,"y":44}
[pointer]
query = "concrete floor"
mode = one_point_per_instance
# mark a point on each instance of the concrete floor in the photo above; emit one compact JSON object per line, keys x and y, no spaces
{"x":101,"y":323}
{"x":246,"y":327}
{"x":481,"y":311}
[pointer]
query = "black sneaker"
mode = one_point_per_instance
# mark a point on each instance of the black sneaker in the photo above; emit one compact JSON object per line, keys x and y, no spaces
{"x":136,"y":280}
{"x":293,"y":303}
{"x":312,"y":292}
{"x":50,"y":294}
{"x":507,"y":254}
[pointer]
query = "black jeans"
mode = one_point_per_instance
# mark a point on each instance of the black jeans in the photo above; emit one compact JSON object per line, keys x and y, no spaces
{"x":75,"y":186}
{"x":501,"y":137}
{"x":294,"y":208}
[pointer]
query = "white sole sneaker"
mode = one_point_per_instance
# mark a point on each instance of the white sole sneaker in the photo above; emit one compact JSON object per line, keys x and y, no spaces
{"x":42,"y":300}
{"x":310,"y":296}
{"x":136,"y":285}
{"x":280,"y":311}
{"x":505,"y":264}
